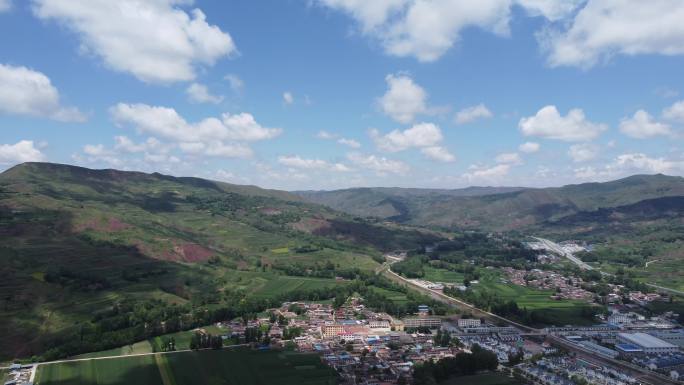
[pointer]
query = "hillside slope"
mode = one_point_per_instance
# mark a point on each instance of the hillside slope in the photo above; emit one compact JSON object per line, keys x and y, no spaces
{"x":77,"y":243}
{"x":502,"y":209}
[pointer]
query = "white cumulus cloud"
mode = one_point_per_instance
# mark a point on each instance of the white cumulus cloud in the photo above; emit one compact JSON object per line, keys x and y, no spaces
{"x":473,"y":113}
{"x":370,"y":14}
{"x":379,"y":164}
{"x":512,"y":158}
{"x":675,"y":112}
{"x":404,"y":98}
{"x":288,"y":98}
{"x":236,"y":84}
{"x":349,"y":142}
{"x":168,"y":123}
{"x":297,"y":161}
{"x":550,"y":9}
{"x":577,"y":32}
{"x":426,"y":29}
{"x":529,"y":147}
{"x":425,"y":136}
{"x":606,"y":28}
{"x":438,"y":153}
{"x":22,"y":151}
{"x":215,"y":137}
{"x":489,"y":174}
{"x":24,"y":91}
{"x":583,"y":152}
{"x":548,"y":123}
{"x":325,"y":135}
{"x":155,"y":41}
{"x":642,"y":125}
{"x":631,"y":163}
{"x":199,"y":93}
{"x":420,"y":135}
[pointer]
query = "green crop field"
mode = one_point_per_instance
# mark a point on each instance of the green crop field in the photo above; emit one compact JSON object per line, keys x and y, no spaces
{"x":441,"y":275}
{"x":394,"y":296}
{"x":244,"y":367}
{"x":283,"y":284}
{"x":560,"y":312}
{"x":481,"y":379}
{"x":127,"y":370}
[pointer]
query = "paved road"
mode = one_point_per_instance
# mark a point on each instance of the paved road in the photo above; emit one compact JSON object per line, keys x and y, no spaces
{"x":556,"y":248}
{"x":678,"y":292}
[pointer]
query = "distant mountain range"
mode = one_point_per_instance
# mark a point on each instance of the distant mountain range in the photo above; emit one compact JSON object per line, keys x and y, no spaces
{"x":505,"y":208}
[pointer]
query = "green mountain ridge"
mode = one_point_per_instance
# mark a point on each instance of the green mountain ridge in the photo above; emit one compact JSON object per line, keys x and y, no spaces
{"x":77,"y":243}
{"x":505,"y":209}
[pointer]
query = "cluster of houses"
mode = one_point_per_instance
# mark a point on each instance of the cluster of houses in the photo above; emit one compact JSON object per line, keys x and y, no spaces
{"x":369,"y":347}
{"x":570,"y":371}
{"x":565,"y":287}
{"x":20,"y":374}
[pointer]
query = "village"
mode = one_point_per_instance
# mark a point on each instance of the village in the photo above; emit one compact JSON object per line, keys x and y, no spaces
{"x":368,"y":347}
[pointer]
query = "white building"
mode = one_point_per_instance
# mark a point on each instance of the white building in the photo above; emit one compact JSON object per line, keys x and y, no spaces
{"x":619,"y":318}
{"x":469,"y":323}
{"x":381,"y":325}
{"x":675,"y":337}
{"x":430,"y":322}
{"x":647,"y":342}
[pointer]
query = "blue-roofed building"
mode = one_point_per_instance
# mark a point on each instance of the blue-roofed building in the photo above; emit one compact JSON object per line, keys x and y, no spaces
{"x":628,"y":350}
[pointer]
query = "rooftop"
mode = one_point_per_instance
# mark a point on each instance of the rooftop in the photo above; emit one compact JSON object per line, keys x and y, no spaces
{"x":645,"y":340}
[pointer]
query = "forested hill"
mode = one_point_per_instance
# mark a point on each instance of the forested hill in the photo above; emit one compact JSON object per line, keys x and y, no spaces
{"x":497,"y":208}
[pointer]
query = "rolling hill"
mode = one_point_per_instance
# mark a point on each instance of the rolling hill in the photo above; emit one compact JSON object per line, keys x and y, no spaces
{"x":496,"y":208}
{"x":108,"y":253}
{"x":629,"y":221}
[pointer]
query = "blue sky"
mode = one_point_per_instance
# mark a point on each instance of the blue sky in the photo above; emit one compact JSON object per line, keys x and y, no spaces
{"x":323,"y":94}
